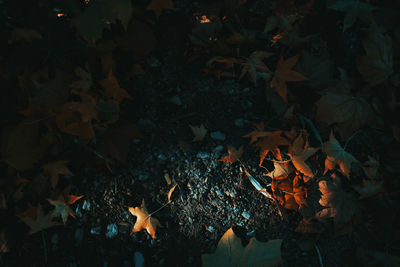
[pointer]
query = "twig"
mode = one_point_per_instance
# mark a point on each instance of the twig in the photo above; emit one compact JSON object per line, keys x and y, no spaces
{"x":319,"y":256}
{"x":44,"y":248}
{"x":351,"y":137}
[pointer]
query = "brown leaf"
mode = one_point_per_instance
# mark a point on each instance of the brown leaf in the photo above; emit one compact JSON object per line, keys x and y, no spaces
{"x":40,"y":222}
{"x":336,"y":155}
{"x":377,"y":65}
{"x":270,"y":143}
{"x":115,"y":142}
{"x":340,"y":106}
{"x":284,"y":73}
{"x":55,"y":168}
{"x":255,"y":64}
{"x":25,"y":34}
{"x":233,"y":155}
{"x":199,"y":132}
{"x":337,"y":204}
{"x":23,"y":144}
{"x":170,"y":192}
{"x":144,"y":220}
{"x":300,"y":152}
{"x":112,"y":88}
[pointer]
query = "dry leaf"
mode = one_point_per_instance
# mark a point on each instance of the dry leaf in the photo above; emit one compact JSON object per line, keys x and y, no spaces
{"x":199,"y":132}
{"x":40,"y":222}
{"x":281,"y":171}
{"x":53,"y":169}
{"x":112,"y":88}
{"x":254,"y":64}
{"x":233,"y":155}
{"x":338,"y":205}
{"x":284,"y":73}
{"x":61,"y":206}
{"x":230,"y":252}
{"x":270,"y":143}
{"x":144,"y":220}
{"x":170,"y":192}
{"x":300,"y":152}
{"x":337,"y":156}
{"x":340,"y":106}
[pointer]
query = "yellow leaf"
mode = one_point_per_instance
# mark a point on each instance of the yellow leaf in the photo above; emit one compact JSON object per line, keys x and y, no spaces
{"x":144,"y":220}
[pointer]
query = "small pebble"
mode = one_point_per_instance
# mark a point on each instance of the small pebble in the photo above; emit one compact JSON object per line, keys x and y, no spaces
{"x":211,"y":229}
{"x":95,"y":230}
{"x":86,"y":205}
{"x":239,"y":123}
{"x":112,"y":230}
{"x":203,"y":155}
{"x":246,"y":215}
{"x":251,"y":233}
{"x":162,"y":157}
{"x":218,"y":136}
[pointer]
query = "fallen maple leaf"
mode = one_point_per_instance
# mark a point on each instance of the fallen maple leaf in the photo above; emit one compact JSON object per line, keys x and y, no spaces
{"x":270,"y":143}
{"x":199,"y":132}
{"x":336,"y":155}
{"x":354,"y":9}
{"x":112,"y":88}
{"x":370,"y":168}
{"x":300,"y":152}
{"x":230,"y":252}
{"x":255,"y":63}
{"x":340,"y":106}
{"x":256,"y":133}
{"x":53,"y":169}
{"x":61,"y":206}
{"x":281,"y":171}
{"x":40,"y":222}
{"x":284,"y":73}
{"x":233,"y":155}
{"x":144,"y":220}
{"x":377,"y":65}
{"x":337,"y":204}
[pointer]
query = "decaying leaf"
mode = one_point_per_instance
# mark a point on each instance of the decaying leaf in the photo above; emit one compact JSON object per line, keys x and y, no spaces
{"x":39,"y":222}
{"x":233,"y":155}
{"x":53,"y":169}
{"x":377,"y":65}
{"x":255,"y":64}
{"x":337,"y":156}
{"x":281,"y":171}
{"x":300,"y":152}
{"x":284,"y":73}
{"x":230,"y":252}
{"x":339,"y":205}
{"x":348,"y":111}
{"x":62,"y":205}
{"x":199,"y":132}
{"x":270,"y":143}
{"x":112,"y":88}
{"x":170,"y":192}
{"x":144,"y":220}
{"x":354,"y":9}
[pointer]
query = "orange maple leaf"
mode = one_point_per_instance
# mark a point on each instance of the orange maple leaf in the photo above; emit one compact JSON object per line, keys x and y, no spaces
{"x":270,"y":143}
{"x":283,"y":74}
{"x":144,"y":220}
{"x":233,"y":155}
